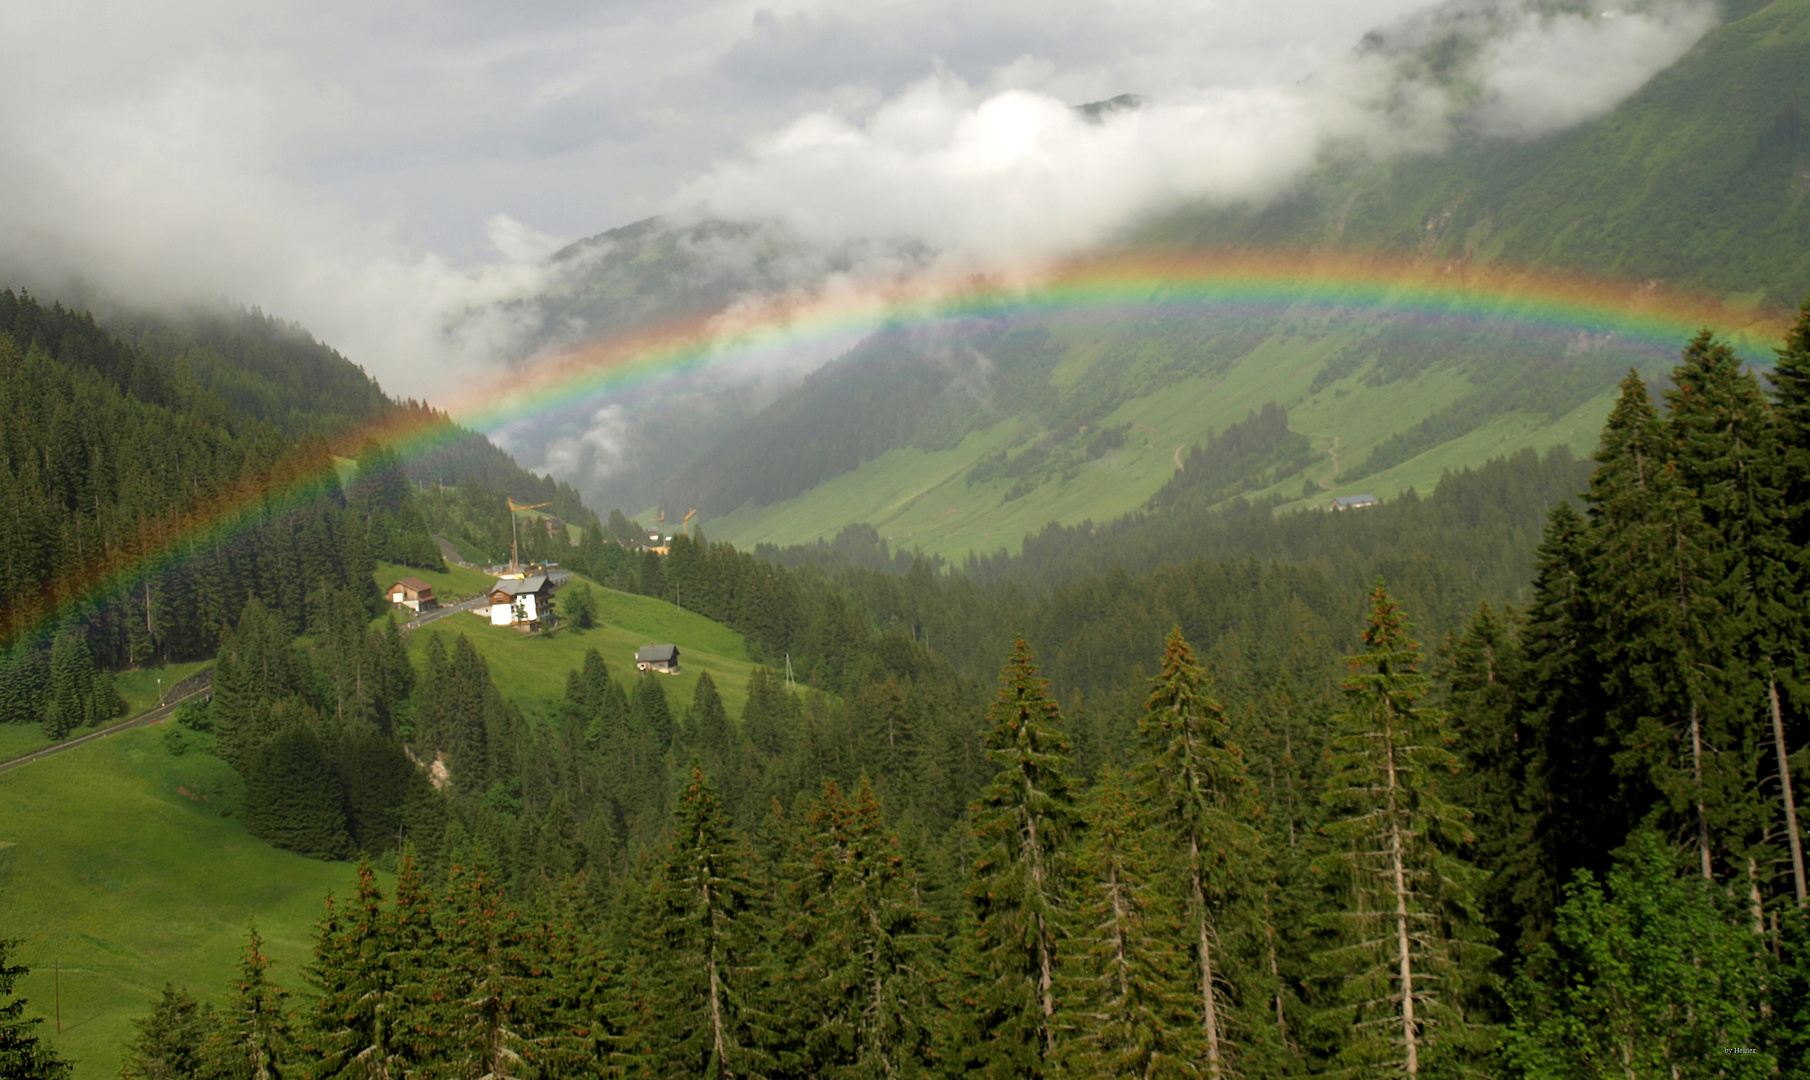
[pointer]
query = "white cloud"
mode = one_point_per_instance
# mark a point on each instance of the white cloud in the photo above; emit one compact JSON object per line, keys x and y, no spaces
{"x":1008,"y":170}
{"x":1556,"y":72}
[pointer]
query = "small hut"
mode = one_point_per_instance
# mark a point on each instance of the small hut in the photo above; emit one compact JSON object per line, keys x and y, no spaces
{"x":661,"y":658}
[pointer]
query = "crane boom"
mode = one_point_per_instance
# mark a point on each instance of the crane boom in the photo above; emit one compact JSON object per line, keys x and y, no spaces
{"x":515,"y":563}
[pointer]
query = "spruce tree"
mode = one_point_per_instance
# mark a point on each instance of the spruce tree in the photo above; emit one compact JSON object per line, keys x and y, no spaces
{"x":1729,"y":455}
{"x":483,"y":999}
{"x":1660,"y":625}
{"x":1194,"y":787}
{"x":1790,"y":379}
{"x":1127,"y":1005}
{"x":293,"y":797}
{"x":708,"y":928}
{"x":255,"y":1041}
{"x":1571,"y":759}
{"x":1498,"y":777}
{"x":23,"y":1054}
{"x":1406,"y":957}
{"x":351,"y":1030}
{"x":871,"y":976}
{"x":172,"y":1042}
{"x":1022,"y":822}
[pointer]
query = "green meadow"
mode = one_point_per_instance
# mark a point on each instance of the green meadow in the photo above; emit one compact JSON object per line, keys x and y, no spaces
{"x":450,"y":586}
{"x":117,"y":864}
{"x":531,"y":669}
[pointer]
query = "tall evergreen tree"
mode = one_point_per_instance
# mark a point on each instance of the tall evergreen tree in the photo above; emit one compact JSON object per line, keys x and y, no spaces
{"x":1022,"y":822}
{"x":255,"y":1041}
{"x":1571,"y":761}
{"x":1661,"y":626}
{"x":1790,"y":378}
{"x":484,"y":999}
{"x":172,"y":1042}
{"x":1499,"y":770}
{"x":351,"y":1030}
{"x":708,"y":926}
{"x":1194,"y":786}
{"x":1407,"y":956}
{"x":1729,"y":454}
{"x":1128,"y":1009}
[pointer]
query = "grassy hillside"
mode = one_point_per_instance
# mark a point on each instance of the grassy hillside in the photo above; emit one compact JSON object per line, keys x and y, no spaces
{"x":530,"y":669}
{"x":117,"y":862}
{"x":1342,"y":388}
{"x":455,"y":582}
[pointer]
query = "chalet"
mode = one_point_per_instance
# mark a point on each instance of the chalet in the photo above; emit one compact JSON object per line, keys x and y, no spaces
{"x":1354,"y":502}
{"x":555,"y":527}
{"x":661,"y":658}
{"x":414,"y":594}
{"x":523,"y":603}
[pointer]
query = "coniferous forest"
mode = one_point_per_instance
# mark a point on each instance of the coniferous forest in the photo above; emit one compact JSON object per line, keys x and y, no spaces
{"x":1491,"y":781}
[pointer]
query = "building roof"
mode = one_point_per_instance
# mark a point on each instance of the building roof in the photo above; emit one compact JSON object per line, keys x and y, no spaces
{"x":656,"y":654}
{"x":520,"y":586}
{"x":1344,"y":502}
{"x":414,"y":584}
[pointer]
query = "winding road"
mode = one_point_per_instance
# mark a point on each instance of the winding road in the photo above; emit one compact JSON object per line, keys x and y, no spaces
{"x":145,"y":719}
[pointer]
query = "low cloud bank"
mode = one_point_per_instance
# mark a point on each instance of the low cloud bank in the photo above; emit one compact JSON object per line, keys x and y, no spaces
{"x":988,"y":175}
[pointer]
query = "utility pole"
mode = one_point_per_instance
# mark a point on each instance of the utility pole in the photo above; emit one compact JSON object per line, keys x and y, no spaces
{"x":59,"y":994}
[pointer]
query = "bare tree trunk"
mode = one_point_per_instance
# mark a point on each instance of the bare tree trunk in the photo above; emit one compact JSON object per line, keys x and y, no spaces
{"x":1404,"y":955}
{"x":1697,"y":775}
{"x":1778,"y":745}
{"x":1045,"y":975}
{"x":718,"y":1039}
{"x":1208,"y":995}
{"x":1276,"y":974}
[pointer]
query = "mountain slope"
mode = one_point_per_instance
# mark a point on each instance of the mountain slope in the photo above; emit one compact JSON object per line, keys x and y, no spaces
{"x":1696,"y":182}
{"x":1699,"y":181}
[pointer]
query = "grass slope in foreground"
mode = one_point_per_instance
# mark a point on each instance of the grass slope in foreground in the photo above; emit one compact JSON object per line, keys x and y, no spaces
{"x":109,"y":867}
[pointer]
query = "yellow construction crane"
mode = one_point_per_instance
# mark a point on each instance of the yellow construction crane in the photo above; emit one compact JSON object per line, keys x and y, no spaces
{"x":515,"y":565}
{"x":685,"y":526}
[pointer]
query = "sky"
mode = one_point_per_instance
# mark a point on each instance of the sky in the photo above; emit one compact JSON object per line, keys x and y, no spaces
{"x":387,"y":172}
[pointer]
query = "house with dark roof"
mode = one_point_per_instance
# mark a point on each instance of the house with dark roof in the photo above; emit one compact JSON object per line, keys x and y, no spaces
{"x":523,"y":603}
{"x":1354,"y":502}
{"x":661,"y":658}
{"x":414,"y":594}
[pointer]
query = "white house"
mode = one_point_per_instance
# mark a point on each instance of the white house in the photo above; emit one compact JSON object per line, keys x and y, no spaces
{"x":521,"y":602}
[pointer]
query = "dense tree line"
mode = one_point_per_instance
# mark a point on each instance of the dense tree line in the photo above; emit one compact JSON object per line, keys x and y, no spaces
{"x":1250,"y":454}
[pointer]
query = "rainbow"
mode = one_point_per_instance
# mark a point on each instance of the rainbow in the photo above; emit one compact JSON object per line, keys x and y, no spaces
{"x":1194,"y":284}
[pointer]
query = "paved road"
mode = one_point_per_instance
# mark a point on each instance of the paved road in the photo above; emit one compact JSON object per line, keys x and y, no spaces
{"x":155,"y":716}
{"x":441,"y":612}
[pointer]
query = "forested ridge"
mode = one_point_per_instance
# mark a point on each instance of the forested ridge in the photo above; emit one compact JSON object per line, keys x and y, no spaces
{"x":1214,"y":817}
